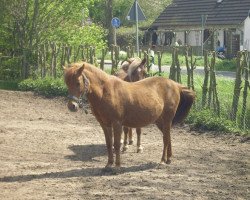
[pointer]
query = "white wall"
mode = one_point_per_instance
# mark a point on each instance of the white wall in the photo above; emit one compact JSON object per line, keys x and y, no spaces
{"x":246,"y":41}
{"x":220,"y":34}
{"x":194,"y":38}
{"x":180,"y":36}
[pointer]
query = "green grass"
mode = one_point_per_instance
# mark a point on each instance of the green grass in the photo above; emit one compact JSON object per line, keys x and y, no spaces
{"x":205,"y":118}
{"x":221,"y":65}
{"x":9,"y":85}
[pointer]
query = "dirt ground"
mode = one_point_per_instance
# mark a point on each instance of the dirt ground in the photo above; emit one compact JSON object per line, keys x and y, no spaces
{"x":47,"y":152}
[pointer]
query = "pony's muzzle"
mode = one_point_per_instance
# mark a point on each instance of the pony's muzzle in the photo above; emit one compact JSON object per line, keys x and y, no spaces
{"x":72,"y":106}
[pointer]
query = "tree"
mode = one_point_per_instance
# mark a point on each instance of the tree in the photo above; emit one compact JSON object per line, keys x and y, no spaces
{"x":25,"y":24}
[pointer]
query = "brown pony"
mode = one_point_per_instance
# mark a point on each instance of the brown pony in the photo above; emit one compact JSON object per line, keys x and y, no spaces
{"x":116,"y":103}
{"x":132,"y":70}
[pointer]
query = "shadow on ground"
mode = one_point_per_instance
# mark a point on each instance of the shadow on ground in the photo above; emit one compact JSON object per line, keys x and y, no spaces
{"x":86,"y":152}
{"x":86,"y":172}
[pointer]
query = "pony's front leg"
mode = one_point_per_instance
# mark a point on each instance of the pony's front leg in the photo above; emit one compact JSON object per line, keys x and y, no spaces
{"x":117,"y":128}
{"x":109,"y":143}
{"x":139,"y":147}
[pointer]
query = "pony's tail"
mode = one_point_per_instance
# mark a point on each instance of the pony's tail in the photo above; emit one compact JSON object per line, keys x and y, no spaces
{"x":187,"y":98}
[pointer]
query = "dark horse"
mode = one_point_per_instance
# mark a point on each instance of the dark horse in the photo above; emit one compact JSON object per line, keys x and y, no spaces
{"x":116,"y":103}
{"x":132,"y":70}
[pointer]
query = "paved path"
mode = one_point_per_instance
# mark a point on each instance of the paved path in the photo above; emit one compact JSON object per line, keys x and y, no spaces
{"x":198,"y":70}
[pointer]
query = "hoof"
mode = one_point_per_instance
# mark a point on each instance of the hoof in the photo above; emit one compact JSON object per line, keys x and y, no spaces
{"x":107,"y":169}
{"x":168,"y":161}
{"x":117,"y":170}
{"x":131,"y":142}
{"x":112,"y":170}
{"x":140,"y":150}
{"x":161,"y":165}
{"x":122,"y":141}
{"x":125,"y":148}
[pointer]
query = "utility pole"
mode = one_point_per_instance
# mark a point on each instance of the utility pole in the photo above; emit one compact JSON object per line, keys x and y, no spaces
{"x":203,"y":22}
{"x":137,"y":31}
{"x":135,"y":13}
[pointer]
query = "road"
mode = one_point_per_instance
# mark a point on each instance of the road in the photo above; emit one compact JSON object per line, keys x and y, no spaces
{"x":198,"y":70}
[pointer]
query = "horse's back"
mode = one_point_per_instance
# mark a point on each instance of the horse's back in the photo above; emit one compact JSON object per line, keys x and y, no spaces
{"x":143,"y":102}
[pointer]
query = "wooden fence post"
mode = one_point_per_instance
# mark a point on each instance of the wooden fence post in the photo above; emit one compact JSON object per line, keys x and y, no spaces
{"x":172,"y":74}
{"x":63,"y":55}
{"x":54,"y":54}
{"x":213,"y":94}
{"x":206,"y":78}
{"x":68,"y":53}
{"x":147,"y":62}
{"x":104,"y":52}
{"x":76,"y":52}
{"x":128,"y":50}
{"x":112,"y":59}
{"x":246,"y":67}
{"x":188,"y":67}
{"x":83,"y":58}
{"x":178,"y":67}
{"x":237,"y":87}
{"x":159,"y":54}
{"x":175,"y":69}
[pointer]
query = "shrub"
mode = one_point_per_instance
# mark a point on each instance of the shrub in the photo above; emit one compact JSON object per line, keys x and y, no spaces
{"x":207,"y":120}
{"x":127,"y":37}
{"x":48,"y":87}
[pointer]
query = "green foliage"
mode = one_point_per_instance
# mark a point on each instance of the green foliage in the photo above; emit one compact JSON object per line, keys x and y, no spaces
{"x":207,"y":120}
{"x":25,"y":25}
{"x":10,"y":68}
{"x":48,"y":87}
{"x":126,"y":37}
{"x":151,"y":9}
{"x":91,"y":35}
{"x":226,"y":64}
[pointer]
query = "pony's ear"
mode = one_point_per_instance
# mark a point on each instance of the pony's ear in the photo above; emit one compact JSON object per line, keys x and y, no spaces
{"x":143,"y":62}
{"x":80,"y":70}
{"x":130,"y":60}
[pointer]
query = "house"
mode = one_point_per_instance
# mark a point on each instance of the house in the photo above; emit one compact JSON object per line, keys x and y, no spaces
{"x":205,"y":24}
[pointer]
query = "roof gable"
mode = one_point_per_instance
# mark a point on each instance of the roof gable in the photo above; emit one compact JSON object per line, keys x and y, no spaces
{"x":183,"y":13}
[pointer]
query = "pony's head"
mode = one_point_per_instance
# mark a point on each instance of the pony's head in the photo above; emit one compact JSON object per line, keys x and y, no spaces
{"x":77,"y":84}
{"x":135,"y":68}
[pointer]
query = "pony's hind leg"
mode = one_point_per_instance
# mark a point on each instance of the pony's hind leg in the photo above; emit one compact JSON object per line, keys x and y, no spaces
{"x":130,"y":136}
{"x":167,"y":148}
{"x":125,"y":140}
{"x":139,"y":147}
